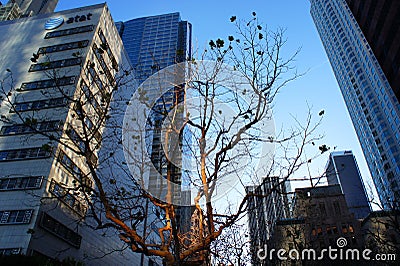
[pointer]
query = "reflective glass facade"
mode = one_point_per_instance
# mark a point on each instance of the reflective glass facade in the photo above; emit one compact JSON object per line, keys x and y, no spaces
{"x":155,"y":42}
{"x":371,"y":102}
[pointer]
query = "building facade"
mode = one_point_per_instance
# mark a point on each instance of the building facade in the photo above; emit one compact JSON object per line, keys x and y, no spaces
{"x":381,"y":231}
{"x":56,"y":68}
{"x":268,"y":205}
{"x":342,"y":169}
{"x":321,"y":217}
{"x":379,"y":22}
{"x":154,"y":43}
{"x":370,"y":100}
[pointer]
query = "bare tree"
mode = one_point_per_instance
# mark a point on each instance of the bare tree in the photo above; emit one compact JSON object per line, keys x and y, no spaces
{"x":123,"y":180}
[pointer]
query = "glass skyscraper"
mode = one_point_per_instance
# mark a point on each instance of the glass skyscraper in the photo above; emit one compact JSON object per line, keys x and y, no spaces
{"x":370,"y":100}
{"x":153,"y":43}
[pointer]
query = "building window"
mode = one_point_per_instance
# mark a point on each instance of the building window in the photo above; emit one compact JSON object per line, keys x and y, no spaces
{"x":334,"y":229}
{"x":313,"y":232}
{"x":344,"y":229}
{"x":59,"y":230}
{"x":328,"y":230}
{"x":72,"y":31}
{"x":322,"y":208}
{"x":98,"y":52}
{"x":71,"y":167}
{"x":56,"y":64}
{"x":38,"y":105}
{"x":21,"y":183}
{"x":351,"y":229}
{"x":15,"y":217}
{"x":336,"y":208}
{"x":45,"y":126}
{"x":47,"y":83}
{"x":95,"y":77}
{"x":63,"y":47}
{"x":90,"y":97}
{"x":25,"y":154}
{"x":67,"y":198}
{"x":106,"y":47}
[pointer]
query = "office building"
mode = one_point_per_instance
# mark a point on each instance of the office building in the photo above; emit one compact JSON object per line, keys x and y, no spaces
{"x":379,"y":22}
{"x":154,"y":43}
{"x":26,"y":8}
{"x":370,"y":100}
{"x":321,"y":216}
{"x":342,"y":169}
{"x":269,"y":204}
{"x":55,"y":68}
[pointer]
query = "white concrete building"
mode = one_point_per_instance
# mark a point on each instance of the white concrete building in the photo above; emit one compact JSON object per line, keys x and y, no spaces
{"x":46,"y":63}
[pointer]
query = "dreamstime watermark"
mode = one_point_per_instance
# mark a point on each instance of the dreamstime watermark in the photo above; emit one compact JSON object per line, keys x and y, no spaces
{"x":330,"y":253}
{"x":154,"y":118}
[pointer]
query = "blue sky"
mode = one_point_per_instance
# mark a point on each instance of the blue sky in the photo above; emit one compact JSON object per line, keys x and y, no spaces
{"x":317,"y":89}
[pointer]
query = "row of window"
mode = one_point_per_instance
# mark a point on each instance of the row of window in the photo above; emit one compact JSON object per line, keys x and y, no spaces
{"x":108,"y":50}
{"x":59,"y":33}
{"x":332,"y":230}
{"x":44,"y":126}
{"x":25,"y":154}
{"x":63,"y":47}
{"x":103,"y":64}
{"x":74,"y":136}
{"x":74,"y":169}
{"x":56,"y":64}
{"x":15,"y":217}
{"x":59,"y":230}
{"x":47,"y":83}
{"x":41,"y":104}
{"x":90,"y":98}
{"x":95,"y":77}
{"x":21,"y":183}
{"x":66,"y":197}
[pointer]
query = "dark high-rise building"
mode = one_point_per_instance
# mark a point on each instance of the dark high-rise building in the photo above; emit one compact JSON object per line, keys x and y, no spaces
{"x":342,"y":169}
{"x":269,"y":204}
{"x":371,"y":101}
{"x":380,"y":24}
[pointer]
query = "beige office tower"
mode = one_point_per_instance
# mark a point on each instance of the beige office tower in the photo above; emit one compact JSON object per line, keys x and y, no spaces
{"x":26,"y":8}
{"x":49,"y":64}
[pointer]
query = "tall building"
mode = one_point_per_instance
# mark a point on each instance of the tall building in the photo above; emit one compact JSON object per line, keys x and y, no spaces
{"x":153,"y":43}
{"x":26,"y":8}
{"x":370,"y":100}
{"x":379,"y":22}
{"x":269,"y":204}
{"x":342,"y":169}
{"x":55,"y":68}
